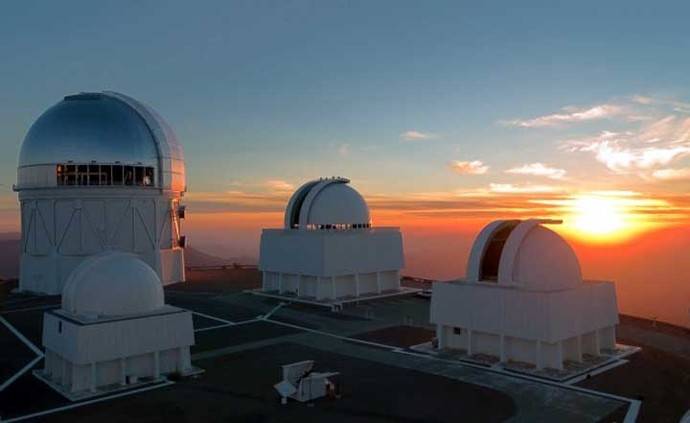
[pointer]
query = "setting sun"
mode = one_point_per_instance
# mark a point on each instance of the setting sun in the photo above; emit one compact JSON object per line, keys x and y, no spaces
{"x":598,"y":216}
{"x":610,"y":216}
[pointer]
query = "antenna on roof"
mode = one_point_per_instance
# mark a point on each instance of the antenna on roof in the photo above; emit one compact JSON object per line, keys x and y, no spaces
{"x":550,"y":221}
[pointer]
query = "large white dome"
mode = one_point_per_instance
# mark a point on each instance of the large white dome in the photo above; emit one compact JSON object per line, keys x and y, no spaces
{"x":327,"y":202}
{"x":112,"y":284}
{"x":523,"y":253}
{"x":86,"y":127}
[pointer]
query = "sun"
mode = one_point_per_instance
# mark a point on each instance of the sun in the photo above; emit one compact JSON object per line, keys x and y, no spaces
{"x":610,"y":216}
{"x":598,"y":216}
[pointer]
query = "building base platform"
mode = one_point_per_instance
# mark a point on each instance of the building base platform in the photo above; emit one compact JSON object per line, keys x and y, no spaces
{"x":334,"y":304}
{"x":572,"y":371}
{"x":109,"y":389}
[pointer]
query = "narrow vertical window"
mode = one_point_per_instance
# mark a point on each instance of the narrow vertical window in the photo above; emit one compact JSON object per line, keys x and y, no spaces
{"x":148,"y":177}
{"x":129,"y":175}
{"x":94,"y":175}
{"x":82,"y":175}
{"x":71,"y":173}
{"x":117,"y":175}
{"x":139,"y":175}
{"x":106,"y":175}
{"x":60,"y":174}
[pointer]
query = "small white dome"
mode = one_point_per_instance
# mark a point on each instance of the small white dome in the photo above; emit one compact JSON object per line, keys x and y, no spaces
{"x":112,"y":284}
{"x":326,"y":202}
{"x":545,"y":261}
{"x":524,"y":253}
{"x":338,"y":203}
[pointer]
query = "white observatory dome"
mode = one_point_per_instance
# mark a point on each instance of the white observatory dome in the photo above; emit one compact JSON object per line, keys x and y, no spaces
{"x":100,"y":129}
{"x":523,"y":253}
{"x":112,"y":284}
{"x":327,"y":203}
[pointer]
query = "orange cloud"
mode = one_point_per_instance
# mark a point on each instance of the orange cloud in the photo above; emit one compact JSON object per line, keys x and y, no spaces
{"x":522,"y":189}
{"x":475,"y":167}
{"x":279,"y":185}
{"x":672,"y":174}
{"x":538,"y":169}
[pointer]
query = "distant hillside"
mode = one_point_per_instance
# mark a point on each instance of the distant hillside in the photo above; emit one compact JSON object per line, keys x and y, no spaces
{"x":195,"y":257}
{"x":9,"y":257}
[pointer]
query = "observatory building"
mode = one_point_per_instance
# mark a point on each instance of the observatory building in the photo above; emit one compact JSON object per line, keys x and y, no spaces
{"x":328,"y":249}
{"x":524,"y":300}
{"x":98,"y":172}
{"x":110,"y":336}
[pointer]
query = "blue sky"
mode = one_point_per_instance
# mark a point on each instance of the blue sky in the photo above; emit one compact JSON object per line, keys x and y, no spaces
{"x":284,"y":91}
{"x":440,"y":112}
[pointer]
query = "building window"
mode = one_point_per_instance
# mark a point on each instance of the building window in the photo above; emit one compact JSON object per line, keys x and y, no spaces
{"x":139,"y":175}
{"x":148,"y":177}
{"x":104,"y":175}
{"x":82,"y":175}
{"x":70,"y":175}
{"x":60,"y":174}
{"x":94,"y":175}
{"x":117,"y":175}
{"x":129,"y":175}
{"x":60,"y":326}
{"x":457,"y":331}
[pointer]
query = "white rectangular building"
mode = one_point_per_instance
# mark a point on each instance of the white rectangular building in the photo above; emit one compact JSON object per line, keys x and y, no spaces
{"x":327,"y":249}
{"x":331,"y":264}
{"x":524,"y":300}
{"x":114,"y":330}
{"x":85,"y":357}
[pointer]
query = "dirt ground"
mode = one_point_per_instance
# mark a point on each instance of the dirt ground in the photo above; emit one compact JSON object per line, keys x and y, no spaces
{"x":659,"y":379}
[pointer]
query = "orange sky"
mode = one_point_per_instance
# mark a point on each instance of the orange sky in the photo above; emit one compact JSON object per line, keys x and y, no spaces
{"x":646,"y":253}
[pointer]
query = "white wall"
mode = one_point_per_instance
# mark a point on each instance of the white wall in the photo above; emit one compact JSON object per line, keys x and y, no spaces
{"x":518,"y":349}
{"x":331,"y":253}
{"x":343,"y":286}
{"x":83,"y":344}
{"x":62,"y":227}
{"x":549,"y":316}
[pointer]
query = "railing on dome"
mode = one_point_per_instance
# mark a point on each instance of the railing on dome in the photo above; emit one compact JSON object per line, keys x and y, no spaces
{"x":229,"y":266}
{"x":94,"y":174}
{"x":337,"y":226}
{"x":364,"y":227}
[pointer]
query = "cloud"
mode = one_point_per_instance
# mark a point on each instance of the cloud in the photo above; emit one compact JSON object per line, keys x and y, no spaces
{"x":279,"y":185}
{"x":522,"y":189}
{"x":651,"y":146}
{"x":675,"y":105}
{"x":569,"y":115}
{"x":616,"y":193}
{"x":475,"y":167}
{"x":495,"y":201}
{"x":237,"y":201}
{"x":344,"y":150}
{"x":672,"y":174}
{"x":413,"y":135}
{"x":641,"y":99}
{"x":670,"y":129}
{"x":616,"y":153}
{"x":538,"y":169}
